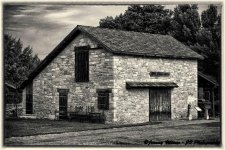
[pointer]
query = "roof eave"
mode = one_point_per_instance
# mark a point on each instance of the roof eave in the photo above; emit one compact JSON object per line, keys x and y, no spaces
{"x":215,"y":83}
{"x":157,"y":56}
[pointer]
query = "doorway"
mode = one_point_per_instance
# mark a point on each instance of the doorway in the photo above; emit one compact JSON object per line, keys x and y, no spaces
{"x":159,"y":104}
{"x":63,"y":100}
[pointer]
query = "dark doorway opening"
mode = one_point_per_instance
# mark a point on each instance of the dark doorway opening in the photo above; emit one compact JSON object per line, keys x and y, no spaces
{"x":63,"y":100}
{"x":29,"y":98}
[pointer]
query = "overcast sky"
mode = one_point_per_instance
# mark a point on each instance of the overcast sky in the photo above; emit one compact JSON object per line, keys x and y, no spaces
{"x":44,"y":26}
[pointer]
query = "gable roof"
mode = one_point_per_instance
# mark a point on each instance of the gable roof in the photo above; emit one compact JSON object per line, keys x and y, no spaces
{"x":139,"y":43}
{"x":123,"y":42}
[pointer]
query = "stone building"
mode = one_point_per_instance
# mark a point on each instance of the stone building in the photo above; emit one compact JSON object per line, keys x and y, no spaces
{"x":131,"y":77}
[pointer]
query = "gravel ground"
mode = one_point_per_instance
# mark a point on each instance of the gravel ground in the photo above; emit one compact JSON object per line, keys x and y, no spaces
{"x":184,"y":133}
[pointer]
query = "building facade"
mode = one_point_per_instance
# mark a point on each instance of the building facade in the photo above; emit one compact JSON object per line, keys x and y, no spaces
{"x":90,"y":69}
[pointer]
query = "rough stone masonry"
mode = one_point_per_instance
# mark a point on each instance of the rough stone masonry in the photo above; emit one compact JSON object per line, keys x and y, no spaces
{"x":112,"y":71}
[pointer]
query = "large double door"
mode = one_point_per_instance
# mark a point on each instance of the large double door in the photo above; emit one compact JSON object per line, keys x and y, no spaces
{"x":159,"y":104}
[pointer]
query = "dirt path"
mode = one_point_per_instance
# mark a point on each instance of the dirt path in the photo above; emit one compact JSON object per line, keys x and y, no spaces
{"x":197,"y":132}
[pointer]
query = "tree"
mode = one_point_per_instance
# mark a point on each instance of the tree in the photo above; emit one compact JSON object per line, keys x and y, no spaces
{"x":185,"y":23}
{"x":208,"y":42}
{"x":108,"y":22}
{"x":19,"y":62}
{"x":209,"y":17}
{"x":147,"y":18}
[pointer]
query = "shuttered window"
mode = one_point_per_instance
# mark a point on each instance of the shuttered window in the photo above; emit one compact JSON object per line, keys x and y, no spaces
{"x":103,"y":100}
{"x":29,"y":98}
{"x":81,"y":64}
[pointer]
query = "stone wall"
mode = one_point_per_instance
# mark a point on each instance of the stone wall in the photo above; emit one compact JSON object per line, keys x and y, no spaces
{"x":113,"y":71}
{"x":60,"y":73}
{"x":132,"y":106}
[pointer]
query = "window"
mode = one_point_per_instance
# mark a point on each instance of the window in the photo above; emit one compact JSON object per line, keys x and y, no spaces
{"x":29,"y":98}
{"x":159,"y":74}
{"x":82,"y":64}
{"x":103,"y":99}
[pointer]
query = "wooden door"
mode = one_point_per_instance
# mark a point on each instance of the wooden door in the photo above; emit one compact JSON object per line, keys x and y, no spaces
{"x":63,"y":105}
{"x":159,"y":104}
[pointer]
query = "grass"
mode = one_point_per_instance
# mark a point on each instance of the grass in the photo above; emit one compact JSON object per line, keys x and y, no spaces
{"x":28,"y":127}
{"x":182,"y":131}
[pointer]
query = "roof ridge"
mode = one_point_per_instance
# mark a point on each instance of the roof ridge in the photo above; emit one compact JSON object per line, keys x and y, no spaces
{"x":79,"y":25}
{"x":98,"y":27}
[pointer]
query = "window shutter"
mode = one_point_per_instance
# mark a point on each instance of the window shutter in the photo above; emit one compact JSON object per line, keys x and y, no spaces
{"x":81,"y":65}
{"x":87,"y":66}
{"x":76,"y":66}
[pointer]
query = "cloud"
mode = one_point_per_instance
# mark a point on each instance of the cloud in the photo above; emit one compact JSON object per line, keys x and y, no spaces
{"x":43,"y":26}
{"x":62,"y":14}
{"x":19,"y":16}
{"x":76,"y":14}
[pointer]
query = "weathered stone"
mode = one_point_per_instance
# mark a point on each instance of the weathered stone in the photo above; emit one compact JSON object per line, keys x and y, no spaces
{"x":111,"y":71}
{"x":137,"y":69}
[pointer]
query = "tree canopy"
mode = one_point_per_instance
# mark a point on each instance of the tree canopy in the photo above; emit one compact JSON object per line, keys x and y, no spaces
{"x":185,"y":23}
{"x":147,"y":18}
{"x":208,"y":42}
{"x":18,"y":61}
{"x":209,"y":17}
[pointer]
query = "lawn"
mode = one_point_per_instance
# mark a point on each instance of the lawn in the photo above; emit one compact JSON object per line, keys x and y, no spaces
{"x":203,"y":133}
{"x":26,"y":127}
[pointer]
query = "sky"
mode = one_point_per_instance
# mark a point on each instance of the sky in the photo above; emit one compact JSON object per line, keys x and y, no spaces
{"x":43,"y":26}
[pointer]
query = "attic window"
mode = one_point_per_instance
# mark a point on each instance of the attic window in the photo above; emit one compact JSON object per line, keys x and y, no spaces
{"x":82,"y":64}
{"x":159,"y":74}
